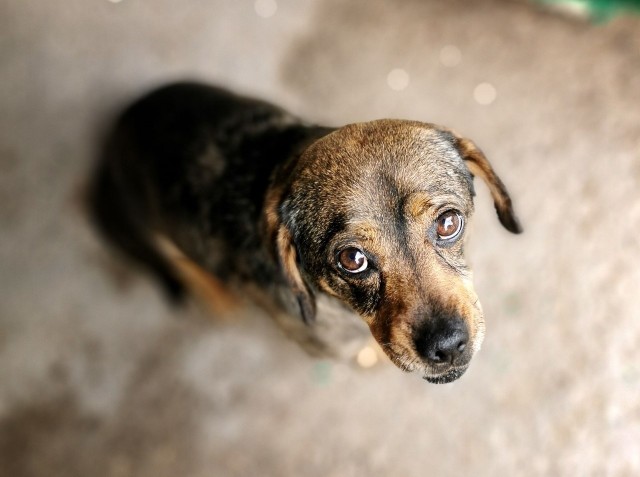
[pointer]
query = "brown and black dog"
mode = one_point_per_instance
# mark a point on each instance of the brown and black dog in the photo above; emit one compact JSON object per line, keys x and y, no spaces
{"x":367,"y":219}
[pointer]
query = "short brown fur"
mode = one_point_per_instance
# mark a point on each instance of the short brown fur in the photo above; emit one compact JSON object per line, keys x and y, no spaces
{"x":261,"y":201}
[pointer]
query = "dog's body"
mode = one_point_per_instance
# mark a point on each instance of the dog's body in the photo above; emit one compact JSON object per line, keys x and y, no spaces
{"x":352,"y":218}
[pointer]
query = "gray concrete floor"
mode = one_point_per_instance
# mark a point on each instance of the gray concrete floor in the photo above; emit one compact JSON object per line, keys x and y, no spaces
{"x":99,"y":378}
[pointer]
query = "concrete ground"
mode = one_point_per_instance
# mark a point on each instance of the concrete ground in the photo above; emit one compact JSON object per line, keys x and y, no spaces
{"x":99,"y":378}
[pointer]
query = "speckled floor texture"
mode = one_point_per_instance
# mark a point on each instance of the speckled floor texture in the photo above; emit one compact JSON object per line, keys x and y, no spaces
{"x":99,"y":377}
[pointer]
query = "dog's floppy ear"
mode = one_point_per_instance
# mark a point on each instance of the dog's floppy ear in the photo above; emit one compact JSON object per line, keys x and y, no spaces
{"x":287,"y":256}
{"x":285,"y":253}
{"x":479,"y":166}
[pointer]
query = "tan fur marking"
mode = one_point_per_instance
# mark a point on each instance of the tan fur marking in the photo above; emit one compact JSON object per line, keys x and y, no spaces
{"x":417,"y":204}
{"x":211,"y":292}
{"x":287,"y":253}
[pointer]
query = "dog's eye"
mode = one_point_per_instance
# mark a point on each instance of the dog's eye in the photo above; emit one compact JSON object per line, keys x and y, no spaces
{"x":353,"y":260}
{"x":449,"y":225}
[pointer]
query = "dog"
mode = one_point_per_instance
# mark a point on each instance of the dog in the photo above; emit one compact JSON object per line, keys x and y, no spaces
{"x":366,"y":220}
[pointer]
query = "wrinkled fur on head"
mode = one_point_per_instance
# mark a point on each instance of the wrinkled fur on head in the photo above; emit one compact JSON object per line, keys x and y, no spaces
{"x":380,"y":186}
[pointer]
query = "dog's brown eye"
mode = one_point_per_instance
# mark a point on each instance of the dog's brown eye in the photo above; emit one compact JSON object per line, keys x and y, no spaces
{"x":353,"y":260}
{"x":449,"y":225}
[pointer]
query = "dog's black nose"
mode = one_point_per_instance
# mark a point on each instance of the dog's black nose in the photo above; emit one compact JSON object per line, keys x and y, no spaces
{"x":443,"y":340}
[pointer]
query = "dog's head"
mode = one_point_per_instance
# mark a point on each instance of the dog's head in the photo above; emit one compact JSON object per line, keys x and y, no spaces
{"x":375,"y":215}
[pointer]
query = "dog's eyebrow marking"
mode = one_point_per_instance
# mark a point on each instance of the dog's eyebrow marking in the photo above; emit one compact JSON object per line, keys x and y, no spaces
{"x":417,"y":203}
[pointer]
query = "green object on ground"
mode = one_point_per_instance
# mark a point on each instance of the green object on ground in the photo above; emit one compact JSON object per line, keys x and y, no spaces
{"x":599,"y":10}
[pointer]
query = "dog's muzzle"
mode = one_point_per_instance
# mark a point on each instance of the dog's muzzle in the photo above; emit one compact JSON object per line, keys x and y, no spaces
{"x":443,"y":345}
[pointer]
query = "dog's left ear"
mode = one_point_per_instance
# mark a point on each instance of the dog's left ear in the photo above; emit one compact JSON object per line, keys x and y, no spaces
{"x":288,"y":258}
{"x":284,"y":251}
{"x":479,"y":166}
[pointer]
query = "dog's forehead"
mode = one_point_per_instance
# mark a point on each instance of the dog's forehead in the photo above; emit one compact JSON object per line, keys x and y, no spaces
{"x":385,"y":146}
{"x":383,"y":160}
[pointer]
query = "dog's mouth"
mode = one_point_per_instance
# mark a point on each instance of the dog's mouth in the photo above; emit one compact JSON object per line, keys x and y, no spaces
{"x":447,"y":377}
{"x":400,"y":358}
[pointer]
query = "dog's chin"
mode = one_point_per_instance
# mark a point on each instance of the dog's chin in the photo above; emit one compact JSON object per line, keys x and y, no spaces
{"x":447,"y":377}
{"x":411,"y":365}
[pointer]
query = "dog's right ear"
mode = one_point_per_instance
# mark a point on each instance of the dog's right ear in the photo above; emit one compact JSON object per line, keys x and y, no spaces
{"x":479,"y":166}
{"x":284,"y":251}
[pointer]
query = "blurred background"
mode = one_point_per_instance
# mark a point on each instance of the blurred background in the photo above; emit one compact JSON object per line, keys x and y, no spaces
{"x":98,"y":377}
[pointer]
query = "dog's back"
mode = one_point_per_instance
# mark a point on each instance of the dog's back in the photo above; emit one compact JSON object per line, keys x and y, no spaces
{"x":192,"y":163}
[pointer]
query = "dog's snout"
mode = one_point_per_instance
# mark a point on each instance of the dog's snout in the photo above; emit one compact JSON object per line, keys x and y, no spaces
{"x":444,"y":341}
